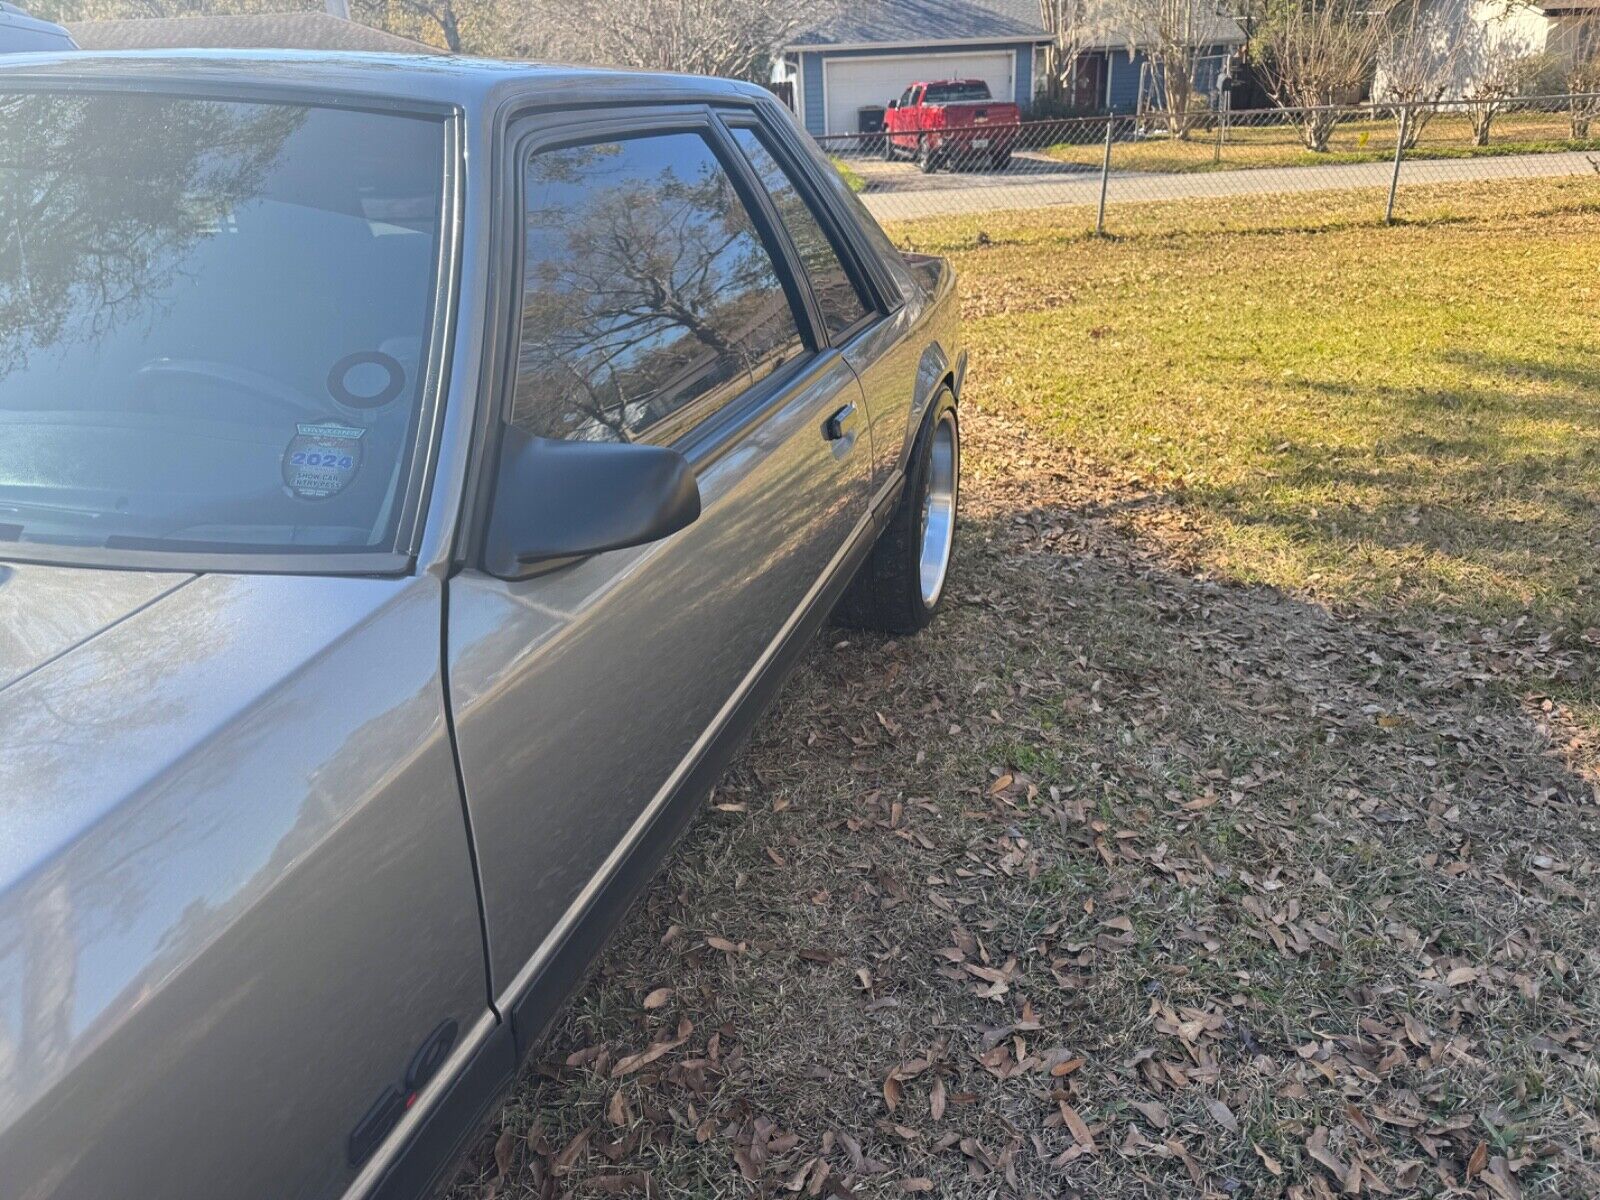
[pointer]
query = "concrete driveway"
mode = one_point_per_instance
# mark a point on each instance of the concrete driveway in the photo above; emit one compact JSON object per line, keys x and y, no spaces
{"x":898,"y":191}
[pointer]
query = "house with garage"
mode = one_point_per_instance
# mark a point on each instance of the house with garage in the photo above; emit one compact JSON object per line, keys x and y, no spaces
{"x":871,"y":49}
{"x":838,"y":72}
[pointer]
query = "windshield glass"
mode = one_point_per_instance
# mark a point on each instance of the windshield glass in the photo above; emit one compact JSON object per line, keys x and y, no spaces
{"x":955,"y":93}
{"x":213,"y":321}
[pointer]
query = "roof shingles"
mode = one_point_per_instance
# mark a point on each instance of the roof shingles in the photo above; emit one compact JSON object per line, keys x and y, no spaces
{"x":904,"y":22}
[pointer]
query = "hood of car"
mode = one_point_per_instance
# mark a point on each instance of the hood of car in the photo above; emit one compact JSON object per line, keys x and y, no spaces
{"x":116,"y":680}
{"x":45,"y":611}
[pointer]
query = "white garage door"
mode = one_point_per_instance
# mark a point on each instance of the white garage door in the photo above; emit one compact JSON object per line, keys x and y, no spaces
{"x":850,"y":83}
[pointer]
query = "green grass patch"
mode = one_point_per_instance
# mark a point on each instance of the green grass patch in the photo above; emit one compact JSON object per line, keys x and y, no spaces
{"x":1247,"y":147}
{"x":852,"y":180}
{"x":1402,"y":416}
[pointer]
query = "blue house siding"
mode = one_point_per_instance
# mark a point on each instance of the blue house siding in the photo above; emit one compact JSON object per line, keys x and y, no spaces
{"x":1123,"y":86}
{"x":1125,"y":70}
{"x":814,"y":116}
{"x":811,"y":90}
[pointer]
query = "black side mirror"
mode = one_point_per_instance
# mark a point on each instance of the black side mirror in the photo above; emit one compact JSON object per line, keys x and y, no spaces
{"x":557,"y":499}
{"x":894,"y":104}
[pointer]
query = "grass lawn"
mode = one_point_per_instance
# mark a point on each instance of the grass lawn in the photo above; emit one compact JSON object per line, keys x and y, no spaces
{"x":852,"y":179}
{"x":1245,"y":147}
{"x":1406,"y":417}
{"x":1234,"y":830}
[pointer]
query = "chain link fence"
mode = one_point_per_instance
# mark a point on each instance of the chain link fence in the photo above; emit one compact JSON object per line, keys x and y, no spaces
{"x":1100,"y":163}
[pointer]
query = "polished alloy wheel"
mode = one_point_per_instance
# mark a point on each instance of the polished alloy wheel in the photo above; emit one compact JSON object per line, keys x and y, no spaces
{"x":939,"y":508}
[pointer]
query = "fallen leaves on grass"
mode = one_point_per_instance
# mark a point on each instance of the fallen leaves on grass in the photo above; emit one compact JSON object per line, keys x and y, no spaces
{"x":1172,"y":914}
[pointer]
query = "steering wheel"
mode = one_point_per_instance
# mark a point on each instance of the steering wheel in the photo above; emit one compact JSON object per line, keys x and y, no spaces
{"x":163,"y":369}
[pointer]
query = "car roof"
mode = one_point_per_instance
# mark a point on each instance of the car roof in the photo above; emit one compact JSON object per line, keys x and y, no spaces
{"x":470,"y":83}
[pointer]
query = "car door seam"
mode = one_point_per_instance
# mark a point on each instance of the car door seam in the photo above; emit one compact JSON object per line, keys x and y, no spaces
{"x":461,"y":796}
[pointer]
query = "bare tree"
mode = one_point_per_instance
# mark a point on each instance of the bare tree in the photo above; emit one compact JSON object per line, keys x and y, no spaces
{"x":1503,"y":71}
{"x":1582,"y":77}
{"x":735,"y":38}
{"x":1321,"y":53}
{"x":1070,"y":24}
{"x":489,"y":27}
{"x":1421,"y":61}
{"x":1170,"y":33}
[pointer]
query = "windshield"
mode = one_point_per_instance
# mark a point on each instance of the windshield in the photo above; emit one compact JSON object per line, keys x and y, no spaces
{"x":956,"y":93}
{"x":213,"y":321}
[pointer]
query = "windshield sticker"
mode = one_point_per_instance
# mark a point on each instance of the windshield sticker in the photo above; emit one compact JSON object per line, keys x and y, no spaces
{"x":369,"y":379}
{"x":322,"y":459}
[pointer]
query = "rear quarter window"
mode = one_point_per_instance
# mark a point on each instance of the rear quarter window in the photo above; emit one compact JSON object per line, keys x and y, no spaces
{"x":838,"y":297}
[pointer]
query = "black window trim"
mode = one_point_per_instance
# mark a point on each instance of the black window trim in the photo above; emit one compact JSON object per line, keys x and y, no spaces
{"x":525,"y":126}
{"x":681,"y":427}
{"x":398,"y":557}
{"x":847,"y":254}
{"x":844,"y":222}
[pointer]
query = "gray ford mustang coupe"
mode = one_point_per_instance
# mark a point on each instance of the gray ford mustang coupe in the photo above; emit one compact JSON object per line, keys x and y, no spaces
{"x":415,"y":477}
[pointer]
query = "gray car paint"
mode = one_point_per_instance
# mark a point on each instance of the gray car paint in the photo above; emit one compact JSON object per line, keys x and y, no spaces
{"x":239,"y":886}
{"x":577,"y":700}
{"x":235,"y":891}
{"x":21,"y":33}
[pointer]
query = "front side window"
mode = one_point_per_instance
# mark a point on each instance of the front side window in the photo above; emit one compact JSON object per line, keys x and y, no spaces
{"x":839,"y":299}
{"x":213,"y":321}
{"x":646,"y":290}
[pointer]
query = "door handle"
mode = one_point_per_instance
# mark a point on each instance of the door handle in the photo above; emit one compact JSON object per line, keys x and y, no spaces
{"x":842,"y":424}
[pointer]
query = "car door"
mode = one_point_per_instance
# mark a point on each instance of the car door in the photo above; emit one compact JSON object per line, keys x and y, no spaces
{"x":891,"y":360}
{"x":658,"y":301}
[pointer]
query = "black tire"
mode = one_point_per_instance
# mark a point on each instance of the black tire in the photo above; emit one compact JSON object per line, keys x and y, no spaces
{"x":888,"y":593}
{"x":1001,"y":160}
{"x":925,"y":158}
{"x":887,"y":147}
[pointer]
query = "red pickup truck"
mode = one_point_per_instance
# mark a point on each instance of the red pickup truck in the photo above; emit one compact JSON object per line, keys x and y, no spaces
{"x":953,"y":122}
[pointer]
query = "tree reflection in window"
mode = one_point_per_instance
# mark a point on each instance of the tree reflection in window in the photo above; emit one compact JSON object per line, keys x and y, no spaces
{"x":646,"y":287}
{"x":93,"y":224}
{"x":838,"y":298}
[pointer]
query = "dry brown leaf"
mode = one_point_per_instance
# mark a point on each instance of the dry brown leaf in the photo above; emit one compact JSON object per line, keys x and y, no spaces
{"x":617,"y":1110}
{"x":626,"y":1066}
{"x":1267,"y":1161}
{"x":1175,"y":1147}
{"x":936,"y":1099}
{"x":893,"y":1092}
{"x":920,"y":1184}
{"x":1075,"y":1124}
{"x":1222,"y":1114}
{"x":723,"y":944}
{"x":1153,"y":1111}
{"x":658,"y":998}
{"x":1479,"y":1159}
{"x":504,"y":1146}
{"x":797,"y":1181}
{"x":1500,"y":1179}
{"x":562,"y":1163}
{"x":1317,"y":1148}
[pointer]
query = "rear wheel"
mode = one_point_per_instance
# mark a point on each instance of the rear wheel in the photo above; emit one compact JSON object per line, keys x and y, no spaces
{"x":925,"y":158}
{"x":902,"y":584}
{"x":1001,"y":160}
